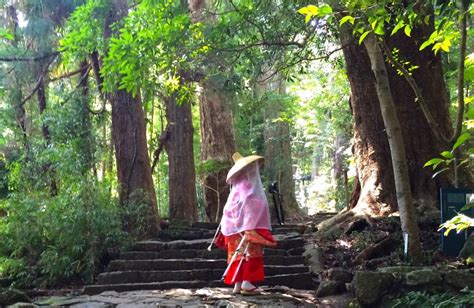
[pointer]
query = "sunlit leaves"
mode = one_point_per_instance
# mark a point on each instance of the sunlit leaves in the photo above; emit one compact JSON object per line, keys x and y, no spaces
{"x":448,"y":158}
{"x":407,"y":30}
{"x":458,"y":223}
{"x":434,"y":162}
{"x":461,"y":140}
{"x":312,"y":11}
{"x":362,"y":37}
{"x":345,"y":19}
{"x":5,"y":34}
{"x":469,"y":68}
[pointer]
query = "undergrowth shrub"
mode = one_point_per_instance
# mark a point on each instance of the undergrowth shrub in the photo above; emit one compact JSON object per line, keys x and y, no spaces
{"x":443,"y":300}
{"x":48,"y":240}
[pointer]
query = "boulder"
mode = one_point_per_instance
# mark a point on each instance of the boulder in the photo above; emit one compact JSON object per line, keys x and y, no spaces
{"x":424,"y":277}
{"x":371,"y":287}
{"x":314,"y":258}
{"x":330,"y":287}
{"x":340,"y":274}
{"x":459,"y":279}
{"x":12,"y":296}
{"x":468,"y":250}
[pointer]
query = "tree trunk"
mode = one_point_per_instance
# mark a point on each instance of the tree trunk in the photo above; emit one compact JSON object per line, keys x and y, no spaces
{"x":370,"y":150}
{"x":278,"y":160}
{"x":86,"y":136}
{"x":370,"y":145}
{"x":217,"y":146}
{"x":17,"y":95}
{"x":48,"y":167}
{"x":217,"y":132}
{"x":131,"y":153}
{"x":397,"y":148}
{"x":182,"y":178}
{"x":420,"y":142}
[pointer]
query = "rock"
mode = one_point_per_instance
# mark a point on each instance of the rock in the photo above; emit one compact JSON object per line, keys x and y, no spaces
{"x":399,"y":272}
{"x":12,"y":296}
{"x":330,"y":287}
{"x":309,"y":249}
{"x":459,"y":279}
{"x":314,"y":258}
{"x":423,"y":277}
{"x":468,"y":250}
{"x":22,"y":305}
{"x":316,"y":263}
{"x":340,"y":274}
{"x":370,"y":287}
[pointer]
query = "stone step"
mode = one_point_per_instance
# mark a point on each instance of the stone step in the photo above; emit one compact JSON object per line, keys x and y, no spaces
{"x":181,"y":234}
{"x":286,"y":243}
{"x":188,"y":253}
{"x":189,"y":264}
{"x":195,"y":234}
{"x":213,"y":226}
{"x":215,"y":253}
{"x":297,"y":281}
{"x":208,"y":274}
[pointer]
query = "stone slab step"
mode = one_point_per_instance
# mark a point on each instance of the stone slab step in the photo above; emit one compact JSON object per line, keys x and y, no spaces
{"x":285,"y":243}
{"x":180,"y":234}
{"x":209,"y":274}
{"x":190,"y":264}
{"x":213,"y":226}
{"x":215,"y":253}
{"x":297,"y":281}
{"x":273,"y":259}
{"x":195,"y":234}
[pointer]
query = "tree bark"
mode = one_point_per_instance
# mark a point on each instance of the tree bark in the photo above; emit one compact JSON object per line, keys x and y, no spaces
{"x":182,"y":178}
{"x":217,"y":131}
{"x":370,"y":145}
{"x":397,"y":148}
{"x":278,"y":160}
{"x":131,"y":150}
{"x":17,"y":95}
{"x":86,"y":128}
{"x":421,"y":143}
{"x":217,"y":145}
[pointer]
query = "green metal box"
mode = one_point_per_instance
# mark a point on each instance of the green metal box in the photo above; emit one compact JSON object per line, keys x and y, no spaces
{"x":452,"y":200}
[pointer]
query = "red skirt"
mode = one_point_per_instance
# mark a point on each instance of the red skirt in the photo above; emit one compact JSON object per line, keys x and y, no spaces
{"x":251,"y":270}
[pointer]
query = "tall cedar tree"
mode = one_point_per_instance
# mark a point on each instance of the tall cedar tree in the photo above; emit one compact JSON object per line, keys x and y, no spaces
{"x":131,"y":150}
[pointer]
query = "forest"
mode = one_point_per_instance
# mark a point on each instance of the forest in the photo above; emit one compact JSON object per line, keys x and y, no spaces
{"x":119,"y":118}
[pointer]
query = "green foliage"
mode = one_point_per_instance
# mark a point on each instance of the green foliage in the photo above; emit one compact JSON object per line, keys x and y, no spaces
{"x":157,"y":45}
{"x":46,"y":240}
{"x":424,"y":299}
{"x":459,"y":223}
{"x":84,"y":30}
{"x":448,"y":157}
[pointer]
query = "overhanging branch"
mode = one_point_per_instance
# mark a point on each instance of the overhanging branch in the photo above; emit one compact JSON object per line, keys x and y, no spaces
{"x":29,"y":59}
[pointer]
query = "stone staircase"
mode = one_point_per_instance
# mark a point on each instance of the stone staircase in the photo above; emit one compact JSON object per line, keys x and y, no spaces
{"x":179,"y":258}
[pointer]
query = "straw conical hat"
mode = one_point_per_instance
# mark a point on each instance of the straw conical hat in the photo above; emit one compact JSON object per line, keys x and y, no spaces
{"x":240,"y":162}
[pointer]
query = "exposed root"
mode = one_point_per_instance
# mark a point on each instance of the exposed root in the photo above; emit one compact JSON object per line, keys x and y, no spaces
{"x":339,"y":223}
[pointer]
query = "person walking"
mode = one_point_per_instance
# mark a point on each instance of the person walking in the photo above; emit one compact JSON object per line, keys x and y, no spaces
{"x":246,"y":225}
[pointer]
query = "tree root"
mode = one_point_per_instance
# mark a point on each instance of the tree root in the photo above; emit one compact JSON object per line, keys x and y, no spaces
{"x":338,"y":224}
